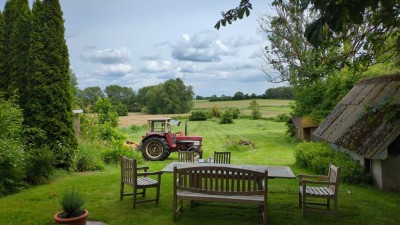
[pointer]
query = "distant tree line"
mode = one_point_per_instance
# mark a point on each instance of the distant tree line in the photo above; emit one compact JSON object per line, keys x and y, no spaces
{"x":285,"y":92}
{"x":172,"y":96}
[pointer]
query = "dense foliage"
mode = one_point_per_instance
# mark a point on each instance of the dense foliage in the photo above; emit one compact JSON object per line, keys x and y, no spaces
{"x":317,"y":156}
{"x":171,"y":96}
{"x":198,"y":116}
{"x":285,"y":92}
{"x":49,"y":106}
{"x":12,"y":155}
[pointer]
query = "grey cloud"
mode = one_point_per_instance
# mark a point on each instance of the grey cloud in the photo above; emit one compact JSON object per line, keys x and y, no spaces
{"x":107,"y":56}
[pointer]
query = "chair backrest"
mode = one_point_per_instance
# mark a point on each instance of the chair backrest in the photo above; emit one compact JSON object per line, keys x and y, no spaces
{"x":128,"y":170}
{"x":185,"y":156}
{"x":222,"y":157}
{"x":333,"y":175}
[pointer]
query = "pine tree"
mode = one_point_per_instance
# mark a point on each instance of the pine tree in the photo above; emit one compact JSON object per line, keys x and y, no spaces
{"x":50,"y":98}
{"x":3,"y":75}
{"x":17,"y":27}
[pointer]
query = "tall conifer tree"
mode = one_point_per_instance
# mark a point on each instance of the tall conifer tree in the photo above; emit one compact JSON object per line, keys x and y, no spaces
{"x":3,"y":74}
{"x":17,"y":27}
{"x":49,"y":105}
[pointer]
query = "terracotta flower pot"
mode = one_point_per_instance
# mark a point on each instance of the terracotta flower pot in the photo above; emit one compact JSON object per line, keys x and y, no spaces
{"x":80,"y":220}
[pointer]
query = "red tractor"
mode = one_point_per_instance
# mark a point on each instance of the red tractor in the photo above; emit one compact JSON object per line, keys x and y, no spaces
{"x":159,"y":141}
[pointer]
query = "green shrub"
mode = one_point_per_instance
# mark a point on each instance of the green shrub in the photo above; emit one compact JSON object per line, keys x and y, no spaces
{"x":88,"y":157}
{"x":112,"y":155}
{"x":317,"y":156}
{"x":12,"y":154}
{"x":89,"y":126}
{"x":283,"y":117}
{"x":39,"y":165}
{"x":198,"y":116}
{"x":107,"y":132}
{"x":216,"y":111}
{"x":227,"y":118}
{"x":255,"y":110}
{"x":235,"y":112}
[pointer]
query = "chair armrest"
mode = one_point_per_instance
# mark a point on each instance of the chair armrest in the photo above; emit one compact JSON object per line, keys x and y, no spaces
{"x":145,"y":168}
{"x":304,"y":182}
{"x":151,"y":173}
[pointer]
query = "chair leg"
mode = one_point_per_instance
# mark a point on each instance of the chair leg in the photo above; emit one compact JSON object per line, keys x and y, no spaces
{"x":174,"y":208}
{"x":328,"y":203}
{"x":134,"y":198}
{"x":303,"y":204}
{"x":121,"y":191}
{"x":335,"y":208}
{"x":158,"y":195}
{"x":299,"y":199}
{"x":144,"y":192}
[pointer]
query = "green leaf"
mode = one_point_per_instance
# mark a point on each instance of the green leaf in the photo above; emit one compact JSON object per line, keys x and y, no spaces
{"x":313,"y":32}
{"x":223,"y":22}
{"x":217,"y":25}
{"x":241,"y":13}
{"x":247,"y":12}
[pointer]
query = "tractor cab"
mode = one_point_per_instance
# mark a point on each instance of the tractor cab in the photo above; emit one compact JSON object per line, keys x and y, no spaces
{"x":161,"y":125}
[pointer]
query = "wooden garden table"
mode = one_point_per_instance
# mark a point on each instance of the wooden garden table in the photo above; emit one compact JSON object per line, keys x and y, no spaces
{"x":273,"y":171}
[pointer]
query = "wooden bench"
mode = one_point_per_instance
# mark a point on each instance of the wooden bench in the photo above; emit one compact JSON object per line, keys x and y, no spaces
{"x":220,"y":184}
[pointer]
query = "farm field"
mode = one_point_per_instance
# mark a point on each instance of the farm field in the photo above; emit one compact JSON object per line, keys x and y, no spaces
{"x":357,"y":204}
{"x":268,"y":108}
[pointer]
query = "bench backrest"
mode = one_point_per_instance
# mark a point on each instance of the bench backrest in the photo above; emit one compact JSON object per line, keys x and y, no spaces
{"x":221,"y":180}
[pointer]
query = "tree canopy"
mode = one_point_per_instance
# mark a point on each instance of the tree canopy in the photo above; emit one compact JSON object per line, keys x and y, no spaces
{"x":171,"y":96}
{"x":368,"y":30}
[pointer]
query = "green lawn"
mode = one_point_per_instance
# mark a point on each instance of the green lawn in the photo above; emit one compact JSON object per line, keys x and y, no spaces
{"x":357,"y":205}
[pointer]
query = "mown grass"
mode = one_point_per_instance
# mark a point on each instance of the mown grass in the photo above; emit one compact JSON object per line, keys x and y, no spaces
{"x":357,"y":205}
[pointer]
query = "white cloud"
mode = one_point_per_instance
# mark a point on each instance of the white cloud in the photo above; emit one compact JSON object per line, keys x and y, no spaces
{"x":152,"y":66}
{"x":106,"y":56}
{"x":201,"y":47}
{"x":114,"y":70}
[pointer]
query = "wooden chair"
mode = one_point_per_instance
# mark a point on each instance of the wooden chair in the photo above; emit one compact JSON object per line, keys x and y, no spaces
{"x":222,"y":157}
{"x":316,"y":186}
{"x":139,"y":181}
{"x":184,"y":156}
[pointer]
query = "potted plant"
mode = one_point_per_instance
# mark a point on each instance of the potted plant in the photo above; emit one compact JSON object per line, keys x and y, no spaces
{"x":72,"y":214}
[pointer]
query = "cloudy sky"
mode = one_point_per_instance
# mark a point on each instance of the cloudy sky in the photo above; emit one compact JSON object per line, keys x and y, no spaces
{"x":140,"y":43}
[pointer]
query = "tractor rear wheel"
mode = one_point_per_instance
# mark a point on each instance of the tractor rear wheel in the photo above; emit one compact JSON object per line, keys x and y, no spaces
{"x":155,"y":149}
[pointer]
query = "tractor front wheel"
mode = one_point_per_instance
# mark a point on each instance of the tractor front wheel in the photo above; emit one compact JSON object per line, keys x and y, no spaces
{"x":155,"y":149}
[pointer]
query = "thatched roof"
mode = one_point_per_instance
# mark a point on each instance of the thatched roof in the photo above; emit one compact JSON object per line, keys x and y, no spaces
{"x":367,"y":119}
